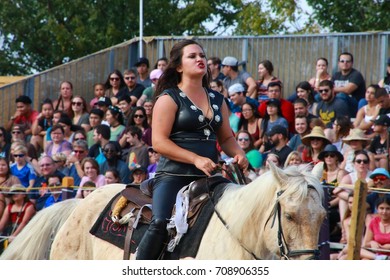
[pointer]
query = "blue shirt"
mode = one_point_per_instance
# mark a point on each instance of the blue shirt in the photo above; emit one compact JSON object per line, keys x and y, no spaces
{"x":50,"y":200}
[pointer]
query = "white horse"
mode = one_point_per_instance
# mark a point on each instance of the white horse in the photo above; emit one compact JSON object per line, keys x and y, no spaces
{"x":277,"y":216}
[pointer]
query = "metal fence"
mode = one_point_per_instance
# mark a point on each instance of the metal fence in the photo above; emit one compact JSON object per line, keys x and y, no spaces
{"x":293,"y":57}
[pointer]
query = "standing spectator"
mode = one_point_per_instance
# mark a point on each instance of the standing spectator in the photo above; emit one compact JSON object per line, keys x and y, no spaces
{"x":113,"y":85}
{"x":24,"y":115}
{"x":63,"y":103}
{"x":349,"y":83}
{"x":233,"y":76}
{"x":287,"y":109}
{"x":265,"y":70}
{"x":17,"y":214}
{"x":133,"y":88}
{"x":321,"y":73}
{"x":329,"y":108}
{"x":214,"y":63}
{"x":379,"y":146}
{"x":385,"y":82}
{"x":238,"y":98}
{"x":143,"y":72}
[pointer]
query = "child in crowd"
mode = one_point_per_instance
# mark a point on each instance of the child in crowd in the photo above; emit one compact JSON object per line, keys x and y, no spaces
{"x":21,"y":168}
{"x":98,"y":90}
{"x":42,"y":124}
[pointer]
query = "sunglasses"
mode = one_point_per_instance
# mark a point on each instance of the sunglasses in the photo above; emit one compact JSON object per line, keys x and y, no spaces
{"x":77,"y":103}
{"x":45,"y":165}
{"x":323,"y":90}
{"x":109,"y":151}
{"x":77,"y":139}
{"x":243,"y":139}
{"x":18,"y":155}
{"x":114,"y":79}
{"x":139,"y":116}
{"x":78,"y":151}
{"x":360,"y":161}
{"x":130,"y":78}
{"x":344,"y":61}
{"x":16,"y":132}
{"x":379,"y":178}
{"x":330,"y":155}
{"x":55,"y":184}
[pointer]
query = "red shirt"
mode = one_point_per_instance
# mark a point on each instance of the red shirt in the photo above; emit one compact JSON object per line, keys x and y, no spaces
{"x":27,"y":120}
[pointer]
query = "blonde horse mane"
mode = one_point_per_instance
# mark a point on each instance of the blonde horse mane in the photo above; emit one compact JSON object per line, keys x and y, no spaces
{"x":34,"y":241}
{"x":253,"y":204}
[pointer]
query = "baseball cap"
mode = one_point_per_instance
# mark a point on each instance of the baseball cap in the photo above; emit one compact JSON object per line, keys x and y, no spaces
{"x":230,"y":61}
{"x":382,"y":120}
{"x":380,"y":171}
{"x":273,"y":101}
{"x":142,"y":60}
{"x":155,"y":74}
{"x":140,"y":168}
{"x":236,"y":88}
{"x":104,"y":101}
{"x":278,"y":129}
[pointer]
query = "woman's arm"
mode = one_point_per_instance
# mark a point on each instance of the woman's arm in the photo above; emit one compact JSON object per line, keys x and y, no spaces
{"x":369,"y":240}
{"x":359,"y":118}
{"x":28,"y":214}
{"x":4,"y":220}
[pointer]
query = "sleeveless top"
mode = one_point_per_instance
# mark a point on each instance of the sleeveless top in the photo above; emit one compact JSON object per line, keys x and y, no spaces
{"x":192,"y":131}
{"x":17,"y":217}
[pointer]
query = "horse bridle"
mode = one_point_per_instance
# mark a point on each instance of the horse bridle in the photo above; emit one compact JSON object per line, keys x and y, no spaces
{"x":285,"y":252}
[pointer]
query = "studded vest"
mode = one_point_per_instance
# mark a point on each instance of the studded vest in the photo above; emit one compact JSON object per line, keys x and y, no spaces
{"x":192,"y":131}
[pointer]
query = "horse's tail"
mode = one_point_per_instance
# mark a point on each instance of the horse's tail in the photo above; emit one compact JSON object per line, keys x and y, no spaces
{"x":34,"y":241}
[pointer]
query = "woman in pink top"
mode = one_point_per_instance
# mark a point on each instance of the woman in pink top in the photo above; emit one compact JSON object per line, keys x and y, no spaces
{"x":92,"y":173}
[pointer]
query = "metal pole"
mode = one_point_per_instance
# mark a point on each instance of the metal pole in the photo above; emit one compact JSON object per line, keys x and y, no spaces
{"x":141,"y":24}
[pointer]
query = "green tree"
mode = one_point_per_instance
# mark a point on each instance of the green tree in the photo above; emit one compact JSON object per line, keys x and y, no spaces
{"x":352,"y":15}
{"x":36,"y":35}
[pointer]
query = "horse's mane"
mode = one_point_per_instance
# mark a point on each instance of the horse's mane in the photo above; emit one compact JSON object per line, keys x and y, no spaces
{"x":255,"y":201}
{"x":34,"y":241}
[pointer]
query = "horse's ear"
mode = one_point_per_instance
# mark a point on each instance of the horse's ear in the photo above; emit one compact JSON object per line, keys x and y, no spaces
{"x":278,"y":173}
{"x":318,"y":170}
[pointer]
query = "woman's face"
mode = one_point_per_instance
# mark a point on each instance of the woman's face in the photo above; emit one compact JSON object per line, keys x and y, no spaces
{"x":90,"y":170}
{"x":350,"y":203}
{"x":66,"y":90}
{"x":330,"y":158}
{"x":361,"y":163}
{"x":57,"y":136}
{"x":66,"y":128}
{"x":77,"y":105}
{"x":316,"y":143}
{"x":356,"y":145}
{"x":99,"y":91}
{"x":321,"y":65}
{"x":302,"y":93}
{"x":110,"y":118}
{"x":193,"y":61}
{"x":384,"y":211}
{"x":243,"y":140}
{"x":110,"y":178}
{"x":47,"y":111}
{"x":272,"y":158}
{"x":370,"y":94}
{"x":247,"y":111}
{"x":148,"y":107}
{"x":162,"y":65}
{"x":262,"y":71}
{"x":138,"y":117}
{"x":272,"y":110}
{"x":300,"y":125}
{"x":138,"y":177}
{"x":114,"y":80}
{"x":3,"y":168}
{"x":295,"y":160}
{"x":214,"y":86}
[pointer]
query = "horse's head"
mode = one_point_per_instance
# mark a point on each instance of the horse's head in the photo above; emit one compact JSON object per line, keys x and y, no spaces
{"x":292,"y":229}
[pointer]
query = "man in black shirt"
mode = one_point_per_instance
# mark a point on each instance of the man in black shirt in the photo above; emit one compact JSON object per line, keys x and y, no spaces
{"x":279,"y":138}
{"x":379,"y":146}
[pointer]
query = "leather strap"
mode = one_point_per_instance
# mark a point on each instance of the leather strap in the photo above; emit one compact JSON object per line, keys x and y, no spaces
{"x":129,"y":234}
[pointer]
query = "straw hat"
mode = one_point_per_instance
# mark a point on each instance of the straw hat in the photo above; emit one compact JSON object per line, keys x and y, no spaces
{"x":356,"y":134}
{"x":17,"y":188}
{"x":316,"y":132}
{"x":331,"y":149}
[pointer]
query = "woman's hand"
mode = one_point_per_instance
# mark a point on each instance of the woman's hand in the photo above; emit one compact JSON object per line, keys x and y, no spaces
{"x":374,"y":244}
{"x":242,"y":161}
{"x":205,"y":164}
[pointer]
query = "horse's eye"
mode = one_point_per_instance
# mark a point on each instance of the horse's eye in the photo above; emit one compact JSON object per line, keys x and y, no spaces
{"x":288,"y":216}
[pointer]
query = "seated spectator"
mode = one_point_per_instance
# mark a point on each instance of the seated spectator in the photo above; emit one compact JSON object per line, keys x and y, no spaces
{"x":341,"y":128}
{"x":91,"y":171}
{"x":279,"y":138}
{"x":7,"y":180}
{"x":55,"y":189}
{"x":138,"y":118}
{"x":270,"y":157}
{"x":113,"y":85}
{"x":17,"y":214}
{"x":58,"y":144}
{"x":88,"y":187}
{"x":64,"y":102}
{"x":154,"y":158}
{"x":302,"y":128}
{"x":315,"y":143}
{"x":22,"y":168}
{"x":96,"y":117}
{"x":301,"y":107}
{"x":265,"y":70}
{"x":124,"y":104}
{"x":60,"y":162}
{"x":321,"y":73}
{"x":80,"y":112}
{"x":250,"y":121}
{"x":80,"y":151}
{"x":214,"y":63}
{"x":138,"y":152}
{"x":114,"y":118}
{"x":112,"y":153}
{"x":68,"y":127}
{"x":143,"y":72}
{"x":133,"y":89}
{"x":98,"y":91}
{"x":294,"y":158}
{"x":245,"y":141}
{"x":379,"y":146}
{"x":385,"y":82}
{"x":238,"y":98}
{"x":18,"y":137}
{"x":380,"y":180}
{"x":147,"y":94}
{"x":138,"y":175}
{"x":42,"y":124}
{"x":101,"y":136}
{"x":306,"y":92}
{"x":365,"y":116}
{"x":112,"y":176}
{"x":5,"y":143}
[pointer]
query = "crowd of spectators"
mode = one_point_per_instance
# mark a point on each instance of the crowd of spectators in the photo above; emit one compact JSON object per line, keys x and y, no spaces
{"x":334,"y":123}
